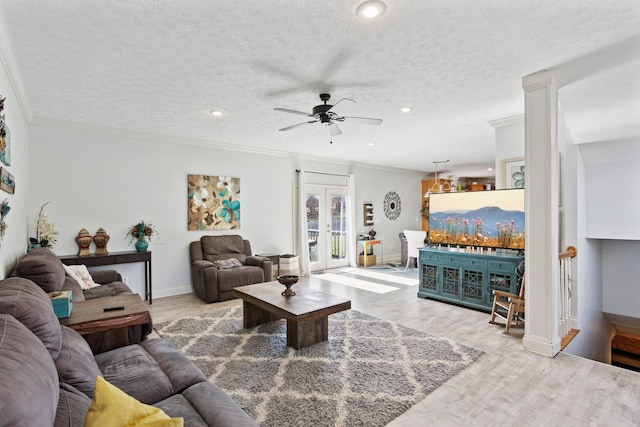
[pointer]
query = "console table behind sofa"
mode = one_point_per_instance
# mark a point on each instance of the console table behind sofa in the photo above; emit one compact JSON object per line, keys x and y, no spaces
{"x":111,"y":258}
{"x":467,"y":279}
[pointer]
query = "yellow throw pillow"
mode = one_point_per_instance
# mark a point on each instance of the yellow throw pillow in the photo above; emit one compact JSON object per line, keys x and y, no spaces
{"x":112,"y":407}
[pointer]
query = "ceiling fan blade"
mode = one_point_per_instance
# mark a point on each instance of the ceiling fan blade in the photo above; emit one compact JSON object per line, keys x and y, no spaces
{"x":339,"y":107}
{"x":286,"y":110}
{"x":334,"y":129}
{"x":364,"y":120}
{"x":298,"y":125}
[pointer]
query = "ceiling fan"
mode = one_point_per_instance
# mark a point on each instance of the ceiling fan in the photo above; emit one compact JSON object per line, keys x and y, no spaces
{"x":328,"y":115}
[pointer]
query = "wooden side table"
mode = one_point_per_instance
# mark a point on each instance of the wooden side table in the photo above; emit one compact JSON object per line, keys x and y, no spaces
{"x":366,"y":244}
{"x":275,"y":260}
{"x":125,"y":257}
{"x":106,"y":330}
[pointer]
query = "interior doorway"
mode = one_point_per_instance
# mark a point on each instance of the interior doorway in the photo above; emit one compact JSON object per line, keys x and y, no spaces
{"x":326,"y":208}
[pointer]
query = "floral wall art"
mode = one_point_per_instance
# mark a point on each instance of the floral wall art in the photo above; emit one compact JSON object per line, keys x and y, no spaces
{"x":213,"y":202}
{"x":5,"y":137}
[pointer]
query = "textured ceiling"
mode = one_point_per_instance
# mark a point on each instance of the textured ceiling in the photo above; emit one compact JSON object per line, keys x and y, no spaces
{"x":159,"y":66}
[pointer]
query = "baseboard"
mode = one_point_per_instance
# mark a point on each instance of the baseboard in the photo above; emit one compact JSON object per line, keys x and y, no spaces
{"x":540,"y":345}
{"x":171,"y":292}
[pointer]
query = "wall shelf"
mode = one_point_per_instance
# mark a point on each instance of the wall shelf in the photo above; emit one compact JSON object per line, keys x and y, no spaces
{"x":368,"y":214}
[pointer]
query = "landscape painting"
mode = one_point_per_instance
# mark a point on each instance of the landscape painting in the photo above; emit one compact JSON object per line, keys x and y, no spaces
{"x":492,"y":219}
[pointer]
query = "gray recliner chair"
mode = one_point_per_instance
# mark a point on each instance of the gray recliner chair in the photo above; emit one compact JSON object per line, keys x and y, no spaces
{"x":221,"y":263}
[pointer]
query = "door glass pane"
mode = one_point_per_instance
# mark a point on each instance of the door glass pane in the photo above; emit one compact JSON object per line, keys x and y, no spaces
{"x":313,"y":225}
{"x":338,"y":227}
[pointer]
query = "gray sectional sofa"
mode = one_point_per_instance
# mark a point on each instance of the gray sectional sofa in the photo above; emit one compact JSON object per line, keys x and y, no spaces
{"x":48,"y":372}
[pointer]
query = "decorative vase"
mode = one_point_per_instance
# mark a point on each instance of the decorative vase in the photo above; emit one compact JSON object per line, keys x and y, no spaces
{"x":101,"y":239}
{"x":142,"y":244}
{"x":288,"y":281}
{"x":83,"y":239}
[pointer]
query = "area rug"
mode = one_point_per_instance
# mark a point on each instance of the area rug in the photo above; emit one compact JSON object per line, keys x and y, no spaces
{"x":368,"y":373}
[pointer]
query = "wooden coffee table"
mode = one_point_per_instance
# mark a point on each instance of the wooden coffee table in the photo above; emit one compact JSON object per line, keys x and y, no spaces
{"x":106,"y":330}
{"x":307,"y":312}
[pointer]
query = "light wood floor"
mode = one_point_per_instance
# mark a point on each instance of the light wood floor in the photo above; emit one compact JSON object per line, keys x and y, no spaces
{"x":507,"y":386}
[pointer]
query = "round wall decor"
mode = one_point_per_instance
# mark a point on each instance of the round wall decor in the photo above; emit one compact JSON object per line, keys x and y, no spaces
{"x":392,"y":205}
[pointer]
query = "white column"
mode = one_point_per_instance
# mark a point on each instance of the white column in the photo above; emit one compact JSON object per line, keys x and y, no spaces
{"x":541,"y":220}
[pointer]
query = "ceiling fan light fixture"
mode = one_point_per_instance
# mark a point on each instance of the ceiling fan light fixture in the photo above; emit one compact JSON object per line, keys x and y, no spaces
{"x":371,"y":9}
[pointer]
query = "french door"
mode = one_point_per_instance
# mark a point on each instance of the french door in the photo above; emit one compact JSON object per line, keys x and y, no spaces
{"x":326,"y":209}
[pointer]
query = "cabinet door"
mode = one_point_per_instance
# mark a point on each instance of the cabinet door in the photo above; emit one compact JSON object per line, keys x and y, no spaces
{"x":473,"y":285}
{"x":429,"y":277}
{"x":501,"y":277}
{"x":450,"y":281}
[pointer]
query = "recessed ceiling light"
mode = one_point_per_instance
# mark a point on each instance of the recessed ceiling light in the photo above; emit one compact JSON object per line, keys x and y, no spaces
{"x":371,"y":9}
{"x":490,"y":169}
{"x":405,"y":109}
{"x":216,"y":113}
{"x":371,"y":144}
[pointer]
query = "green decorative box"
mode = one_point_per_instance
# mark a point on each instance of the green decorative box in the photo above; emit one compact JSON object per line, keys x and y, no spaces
{"x":62,"y":303}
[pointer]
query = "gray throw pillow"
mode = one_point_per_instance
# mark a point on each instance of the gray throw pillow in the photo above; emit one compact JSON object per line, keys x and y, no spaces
{"x":227,"y":263}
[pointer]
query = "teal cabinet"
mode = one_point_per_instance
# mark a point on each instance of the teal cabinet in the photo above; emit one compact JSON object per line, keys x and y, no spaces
{"x":467,"y":278}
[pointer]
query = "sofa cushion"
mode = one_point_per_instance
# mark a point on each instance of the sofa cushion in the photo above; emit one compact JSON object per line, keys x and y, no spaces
{"x":22,"y":351}
{"x":181,"y":371}
{"x":207,"y":402}
{"x":219,"y":245}
{"x":107,"y":290}
{"x":178,"y":405}
{"x":75,"y":364}
{"x":240,"y":276}
{"x":30,"y":305}
{"x":132,"y":369}
{"x":111,"y":407}
{"x":42,"y":267}
{"x":70,"y":284}
{"x":72,"y":407}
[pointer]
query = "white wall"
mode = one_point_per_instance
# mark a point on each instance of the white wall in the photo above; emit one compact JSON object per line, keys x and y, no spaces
{"x":614,"y":205}
{"x":621,"y":277}
{"x":509,"y":144}
{"x":14,"y":243}
{"x":112,"y":181}
{"x":611,"y":175}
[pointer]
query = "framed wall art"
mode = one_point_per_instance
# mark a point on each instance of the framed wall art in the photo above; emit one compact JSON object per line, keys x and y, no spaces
{"x":213,"y":202}
{"x":5,"y":137}
{"x":7,"y":181}
{"x":513,"y":173}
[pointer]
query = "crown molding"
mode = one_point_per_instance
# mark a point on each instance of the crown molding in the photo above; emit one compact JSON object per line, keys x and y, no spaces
{"x":180,"y":140}
{"x":507,"y":121}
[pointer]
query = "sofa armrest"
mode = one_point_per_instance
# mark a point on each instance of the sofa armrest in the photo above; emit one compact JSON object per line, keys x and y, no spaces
{"x":106,"y":276}
{"x":202,"y":264}
{"x":262,"y":262}
{"x":257,"y":260}
{"x":204,"y":279}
